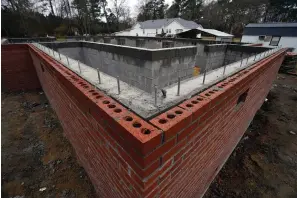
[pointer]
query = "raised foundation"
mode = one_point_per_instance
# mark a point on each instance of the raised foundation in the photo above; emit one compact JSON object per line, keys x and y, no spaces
{"x":174,"y":154}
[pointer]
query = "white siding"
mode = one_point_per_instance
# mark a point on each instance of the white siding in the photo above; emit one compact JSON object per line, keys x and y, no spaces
{"x":288,"y":42}
{"x":173,"y":27}
{"x":284,"y":41}
{"x":250,"y":39}
{"x":146,"y":32}
{"x":137,"y":31}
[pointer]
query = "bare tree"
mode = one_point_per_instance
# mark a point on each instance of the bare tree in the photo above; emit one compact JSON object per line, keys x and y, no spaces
{"x":51,"y":6}
{"x":118,"y":8}
{"x":104,"y":5}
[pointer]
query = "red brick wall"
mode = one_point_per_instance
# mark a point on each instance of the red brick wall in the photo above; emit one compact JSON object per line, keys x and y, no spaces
{"x":17,"y":70}
{"x":217,"y":122}
{"x":110,"y":145}
{"x":176,"y":154}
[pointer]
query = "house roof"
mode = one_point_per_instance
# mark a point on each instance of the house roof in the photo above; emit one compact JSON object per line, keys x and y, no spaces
{"x":159,"y":23}
{"x":271,"y":29}
{"x":271,"y":25}
{"x":215,"y":32}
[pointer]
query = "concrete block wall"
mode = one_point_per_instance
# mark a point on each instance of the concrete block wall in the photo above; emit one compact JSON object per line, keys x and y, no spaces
{"x":150,"y":43}
{"x":235,"y":53}
{"x":233,"y":56}
{"x":131,"y":70}
{"x":167,"y":71}
{"x":149,"y":68}
{"x":210,"y":56}
{"x":175,"y":154}
{"x":17,"y":70}
{"x":215,"y":55}
{"x":177,"y":41}
{"x":162,"y":72}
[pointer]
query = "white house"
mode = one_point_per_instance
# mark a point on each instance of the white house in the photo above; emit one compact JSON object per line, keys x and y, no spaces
{"x":154,"y":27}
{"x":271,"y":34}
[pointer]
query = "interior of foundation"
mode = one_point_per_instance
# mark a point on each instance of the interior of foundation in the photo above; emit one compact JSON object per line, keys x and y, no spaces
{"x":149,"y":81}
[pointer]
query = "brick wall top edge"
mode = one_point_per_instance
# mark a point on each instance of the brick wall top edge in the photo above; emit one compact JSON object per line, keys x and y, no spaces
{"x":197,"y":104}
{"x":140,"y":53}
{"x":8,"y":47}
{"x":145,"y":136}
{"x":245,"y":72}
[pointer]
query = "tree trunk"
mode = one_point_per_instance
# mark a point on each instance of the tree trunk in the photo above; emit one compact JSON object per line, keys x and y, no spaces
{"x":52,"y":8}
{"x":68,"y":7}
{"x":105,"y":13}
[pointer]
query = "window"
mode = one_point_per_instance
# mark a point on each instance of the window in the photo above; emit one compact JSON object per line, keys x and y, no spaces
{"x":275,"y":40}
{"x":169,"y":30}
{"x":156,"y":31}
{"x":166,"y":30}
{"x":267,"y":38}
{"x":143,"y":31}
{"x":261,"y":38}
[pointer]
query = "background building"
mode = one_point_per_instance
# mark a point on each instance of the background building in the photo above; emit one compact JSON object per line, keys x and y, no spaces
{"x":271,"y":34}
{"x":153,"y":27}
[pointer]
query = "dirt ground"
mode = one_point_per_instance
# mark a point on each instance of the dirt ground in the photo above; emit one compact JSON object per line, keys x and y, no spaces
{"x":37,"y":160}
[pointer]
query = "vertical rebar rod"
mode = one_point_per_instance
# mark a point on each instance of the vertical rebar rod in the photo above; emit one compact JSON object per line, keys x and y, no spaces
{"x":155,"y":95}
{"x":241,"y":59}
{"x":204,"y":75}
{"x":178,"y":86}
{"x":255,"y":57}
{"x":224,"y":69}
{"x":59,"y":55}
{"x":79,"y":67}
{"x":119,"y":88}
{"x":98,"y":72}
{"x":206,"y":67}
{"x":247,"y":60}
{"x":67,"y":60}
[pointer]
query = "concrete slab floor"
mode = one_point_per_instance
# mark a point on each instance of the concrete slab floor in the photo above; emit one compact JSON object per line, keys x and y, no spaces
{"x":146,"y":104}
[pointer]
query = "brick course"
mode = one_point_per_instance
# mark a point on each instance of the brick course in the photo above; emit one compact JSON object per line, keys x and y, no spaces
{"x":17,"y":70}
{"x":175,"y":154}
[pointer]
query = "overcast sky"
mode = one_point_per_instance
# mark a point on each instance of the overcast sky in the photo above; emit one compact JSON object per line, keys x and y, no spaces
{"x":133,"y":3}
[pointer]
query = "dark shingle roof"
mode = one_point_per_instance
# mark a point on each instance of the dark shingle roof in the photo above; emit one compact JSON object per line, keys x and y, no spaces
{"x":271,"y":29}
{"x":272,"y":25}
{"x":159,"y":23}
